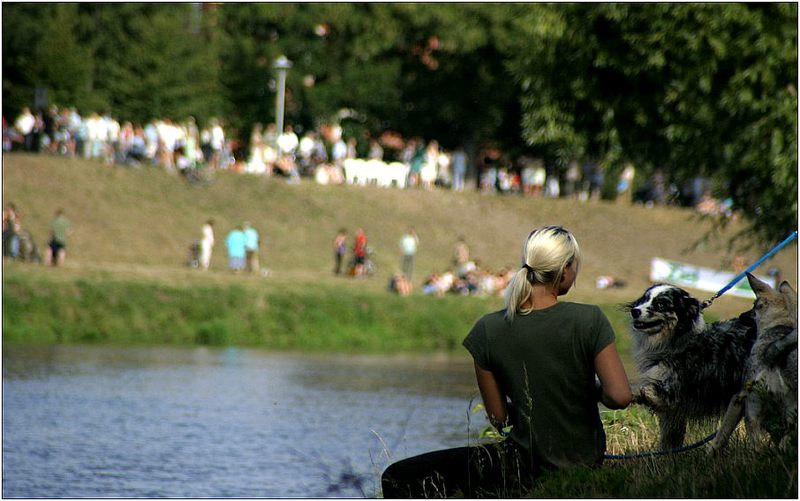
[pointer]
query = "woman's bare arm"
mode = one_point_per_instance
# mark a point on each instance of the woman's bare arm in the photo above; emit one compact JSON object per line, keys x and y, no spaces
{"x":615,"y":389}
{"x":493,"y":398}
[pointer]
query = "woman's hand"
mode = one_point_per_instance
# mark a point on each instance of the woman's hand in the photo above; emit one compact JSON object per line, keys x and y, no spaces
{"x":494,"y":401}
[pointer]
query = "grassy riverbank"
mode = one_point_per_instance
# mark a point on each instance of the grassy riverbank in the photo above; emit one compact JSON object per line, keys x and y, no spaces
{"x":124,"y":280}
{"x":242,"y":314}
{"x":44,"y":309}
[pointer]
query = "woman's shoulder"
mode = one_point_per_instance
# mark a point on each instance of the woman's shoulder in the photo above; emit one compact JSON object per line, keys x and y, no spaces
{"x":494,"y":321}
{"x":493,"y":317}
{"x":581,"y":307}
{"x":579,"y":311}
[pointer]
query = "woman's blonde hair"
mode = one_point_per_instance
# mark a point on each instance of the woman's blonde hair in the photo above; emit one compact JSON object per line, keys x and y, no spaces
{"x":545,"y":254}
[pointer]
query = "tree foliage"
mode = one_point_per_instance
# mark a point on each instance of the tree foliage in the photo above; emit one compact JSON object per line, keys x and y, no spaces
{"x":693,"y":89}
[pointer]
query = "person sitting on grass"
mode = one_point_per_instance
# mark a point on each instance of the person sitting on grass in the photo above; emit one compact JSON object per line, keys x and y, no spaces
{"x":541,"y":367}
{"x":400,"y":284}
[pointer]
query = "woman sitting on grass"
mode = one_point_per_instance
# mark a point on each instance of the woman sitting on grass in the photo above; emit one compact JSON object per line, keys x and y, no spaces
{"x":542,"y":355}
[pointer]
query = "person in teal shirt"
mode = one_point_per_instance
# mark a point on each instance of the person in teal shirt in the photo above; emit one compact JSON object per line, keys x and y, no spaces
{"x":251,"y":247}
{"x":236,"y":243}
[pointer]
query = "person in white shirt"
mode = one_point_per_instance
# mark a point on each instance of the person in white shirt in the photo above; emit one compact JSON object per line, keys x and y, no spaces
{"x":24,"y":125}
{"x":409,"y":243}
{"x":287,"y":142}
{"x":206,"y":244}
{"x":217,"y":141}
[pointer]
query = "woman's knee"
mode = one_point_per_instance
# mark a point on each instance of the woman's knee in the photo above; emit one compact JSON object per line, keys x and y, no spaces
{"x":396,"y":480}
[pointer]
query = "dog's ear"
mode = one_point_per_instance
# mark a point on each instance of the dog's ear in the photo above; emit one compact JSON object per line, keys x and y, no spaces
{"x":790,"y":296}
{"x":786,"y":289}
{"x":692,"y":307}
{"x":757,"y":285}
{"x":688,"y":313}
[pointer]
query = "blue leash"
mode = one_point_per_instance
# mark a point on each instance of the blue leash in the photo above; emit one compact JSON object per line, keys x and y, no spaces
{"x":705,"y":305}
{"x":752,"y":267}
{"x":650,"y":454}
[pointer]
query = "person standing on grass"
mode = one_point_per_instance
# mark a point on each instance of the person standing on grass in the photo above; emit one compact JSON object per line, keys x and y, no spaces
{"x":460,"y":252}
{"x":56,"y":251}
{"x":11,"y":227}
{"x":360,"y":253}
{"x":207,"y":244}
{"x":251,"y":247}
{"x":235,"y":242}
{"x":339,"y":248}
{"x":409,"y":243}
{"x":542,"y":366}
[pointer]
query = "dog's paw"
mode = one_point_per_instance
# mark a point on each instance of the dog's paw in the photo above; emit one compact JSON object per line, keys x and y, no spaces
{"x":648,"y":396}
{"x":637,"y":396}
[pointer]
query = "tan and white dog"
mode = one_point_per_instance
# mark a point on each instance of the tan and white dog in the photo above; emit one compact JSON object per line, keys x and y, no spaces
{"x":768,"y":400}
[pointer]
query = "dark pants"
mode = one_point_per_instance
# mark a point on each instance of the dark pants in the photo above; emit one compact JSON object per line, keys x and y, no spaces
{"x":408,"y":265}
{"x":55,"y":248}
{"x":337,"y":269}
{"x":8,"y":243}
{"x":492,"y":470}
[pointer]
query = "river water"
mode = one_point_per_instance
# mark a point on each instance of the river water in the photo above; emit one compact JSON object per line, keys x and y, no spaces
{"x":98,"y":421}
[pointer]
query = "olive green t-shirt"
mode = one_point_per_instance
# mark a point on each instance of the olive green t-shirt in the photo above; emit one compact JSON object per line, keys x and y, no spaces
{"x":544,"y":363}
{"x":60,"y":226}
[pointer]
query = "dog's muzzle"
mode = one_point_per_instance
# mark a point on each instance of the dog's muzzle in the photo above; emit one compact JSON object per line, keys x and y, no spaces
{"x":646,"y":326}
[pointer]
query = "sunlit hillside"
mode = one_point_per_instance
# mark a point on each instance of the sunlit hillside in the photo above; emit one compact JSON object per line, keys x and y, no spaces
{"x":140,"y":222}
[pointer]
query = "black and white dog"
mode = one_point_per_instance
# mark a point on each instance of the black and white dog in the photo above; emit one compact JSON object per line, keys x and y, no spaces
{"x":688,"y":370}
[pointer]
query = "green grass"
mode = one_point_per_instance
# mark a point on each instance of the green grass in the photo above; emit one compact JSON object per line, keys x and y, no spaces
{"x":318,"y":318}
{"x":90,"y":310}
{"x":738,"y":472}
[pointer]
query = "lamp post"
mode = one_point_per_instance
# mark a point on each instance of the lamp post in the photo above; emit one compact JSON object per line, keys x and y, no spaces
{"x":282,"y":65}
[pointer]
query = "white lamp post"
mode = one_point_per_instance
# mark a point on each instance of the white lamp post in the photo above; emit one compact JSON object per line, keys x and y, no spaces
{"x":282,"y":65}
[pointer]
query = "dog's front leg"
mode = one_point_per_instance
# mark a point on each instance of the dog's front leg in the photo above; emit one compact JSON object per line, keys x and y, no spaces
{"x":732,"y":417}
{"x":752,"y":418}
{"x":673,"y":429}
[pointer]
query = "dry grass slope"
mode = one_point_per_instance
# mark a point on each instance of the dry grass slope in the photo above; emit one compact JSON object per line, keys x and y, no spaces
{"x":140,"y":222}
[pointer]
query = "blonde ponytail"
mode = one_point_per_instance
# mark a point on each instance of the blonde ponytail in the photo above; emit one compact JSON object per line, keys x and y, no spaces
{"x":545,"y":254}
{"x":517,"y":292}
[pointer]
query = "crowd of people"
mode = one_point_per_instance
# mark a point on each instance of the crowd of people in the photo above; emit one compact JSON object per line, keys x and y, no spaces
{"x":160,"y":142}
{"x":321,"y":154}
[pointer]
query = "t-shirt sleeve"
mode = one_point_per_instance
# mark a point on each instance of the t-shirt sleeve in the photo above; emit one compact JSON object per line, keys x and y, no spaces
{"x":476,"y":343}
{"x":605,"y":333}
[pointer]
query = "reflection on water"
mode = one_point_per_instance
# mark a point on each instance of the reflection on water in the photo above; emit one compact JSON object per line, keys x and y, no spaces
{"x":199,"y":422}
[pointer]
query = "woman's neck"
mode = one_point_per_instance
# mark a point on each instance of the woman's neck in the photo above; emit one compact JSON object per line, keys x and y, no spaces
{"x":541,"y":297}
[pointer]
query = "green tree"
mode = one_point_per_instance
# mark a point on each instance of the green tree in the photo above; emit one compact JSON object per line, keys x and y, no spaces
{"x":695,"y":89}
{"x":159,"y":67}
{"x":423,"y":70}
{"x":60,"y":63}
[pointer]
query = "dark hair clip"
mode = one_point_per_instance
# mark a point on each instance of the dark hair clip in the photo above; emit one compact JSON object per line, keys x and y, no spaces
{"x":530,"y":275}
